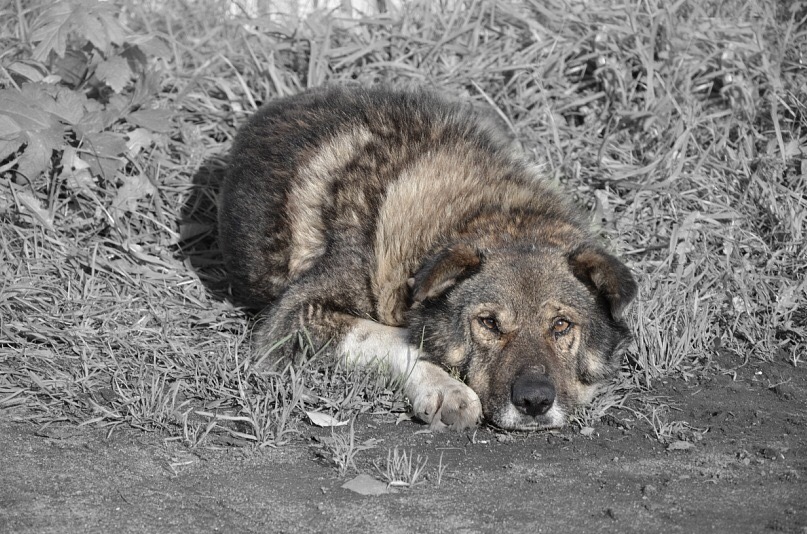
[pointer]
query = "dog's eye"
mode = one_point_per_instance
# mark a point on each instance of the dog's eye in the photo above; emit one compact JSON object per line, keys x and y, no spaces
{"x":490,"y":323}
{"x":561,"y":326}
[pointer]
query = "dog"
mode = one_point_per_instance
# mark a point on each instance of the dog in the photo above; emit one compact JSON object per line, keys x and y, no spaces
{"x":408,"y":229}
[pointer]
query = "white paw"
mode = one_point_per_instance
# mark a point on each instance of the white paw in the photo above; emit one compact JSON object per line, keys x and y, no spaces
{"x":436,"y":398}
{"x":440,"y":400}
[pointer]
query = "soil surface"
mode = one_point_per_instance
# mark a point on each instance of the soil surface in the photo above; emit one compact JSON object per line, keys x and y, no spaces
{"x":739,"y":466}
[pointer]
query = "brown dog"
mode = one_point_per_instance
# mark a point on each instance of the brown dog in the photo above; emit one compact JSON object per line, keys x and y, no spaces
{"x":409,"y":230}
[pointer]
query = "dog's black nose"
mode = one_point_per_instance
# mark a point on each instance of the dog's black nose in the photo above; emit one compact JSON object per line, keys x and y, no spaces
{"x":533,"y":394}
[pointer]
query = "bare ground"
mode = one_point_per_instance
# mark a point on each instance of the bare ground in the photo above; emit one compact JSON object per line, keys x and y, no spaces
{"x":745,"y":471}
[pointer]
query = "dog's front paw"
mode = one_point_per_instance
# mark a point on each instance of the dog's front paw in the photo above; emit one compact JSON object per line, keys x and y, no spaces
{"x":442,"y":401}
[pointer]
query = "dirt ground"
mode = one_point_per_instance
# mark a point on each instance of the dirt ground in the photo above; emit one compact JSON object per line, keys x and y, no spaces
{"x":744,"y":470}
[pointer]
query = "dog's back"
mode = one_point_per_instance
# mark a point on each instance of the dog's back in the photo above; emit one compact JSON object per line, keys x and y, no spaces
{"x":378,"y":178}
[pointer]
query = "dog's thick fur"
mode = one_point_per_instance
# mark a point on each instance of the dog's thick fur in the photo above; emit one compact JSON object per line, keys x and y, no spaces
{"x":409,"y":230}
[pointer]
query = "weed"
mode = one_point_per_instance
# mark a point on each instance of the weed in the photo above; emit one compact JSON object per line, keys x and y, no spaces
{"x":342,"y":450}
{"x":151,"y":400}
{"x":612,"y":395}
{"x":795,"y":357}
{"x":268,"y":407}
{"x":441,"y":469}
{"x":194,"y":433}
{"x":666,"y":430}
{"x":399,"y":469}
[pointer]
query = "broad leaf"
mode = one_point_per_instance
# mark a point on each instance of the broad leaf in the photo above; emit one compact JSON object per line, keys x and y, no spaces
{"x":115,"y":72}
{"x":94,"y":21}
{"x":105,"y":144}
{"x":107,"y":12}
{"x":103,"y":151}
{"x":51,"y":29}
{"x":91,"y":28}
{"x":72,"y":105}
{"x":38,"y":151}
{"x":7,"y":148}
{"x":23,"y":114}
{"x":61,"y":102}
{"x":29,"y":72}
{"x":156,"y":120}
{"x":151,"y":45}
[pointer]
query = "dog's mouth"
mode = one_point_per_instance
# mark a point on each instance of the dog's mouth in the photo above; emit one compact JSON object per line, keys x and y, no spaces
{"x":510,"y":417}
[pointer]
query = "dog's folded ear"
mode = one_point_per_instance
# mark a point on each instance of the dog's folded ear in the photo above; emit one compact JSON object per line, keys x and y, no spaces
{"x":606,"y":275}
{"x":443,"y":270}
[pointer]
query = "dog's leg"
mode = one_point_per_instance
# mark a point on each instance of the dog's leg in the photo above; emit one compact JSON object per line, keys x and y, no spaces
{"x":436,"y":397}
{"x":309,"y":305}
{"x":316,"y":310}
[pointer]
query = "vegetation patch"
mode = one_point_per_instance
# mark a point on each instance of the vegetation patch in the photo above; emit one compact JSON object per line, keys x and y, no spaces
{"x":682,"y":126}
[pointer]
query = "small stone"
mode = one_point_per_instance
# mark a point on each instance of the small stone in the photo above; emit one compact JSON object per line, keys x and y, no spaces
{"x":680,"y":446}
{"x":649,"y":490}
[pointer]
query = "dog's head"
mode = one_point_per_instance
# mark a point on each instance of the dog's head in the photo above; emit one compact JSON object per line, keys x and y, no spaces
{"x":531,"y":330}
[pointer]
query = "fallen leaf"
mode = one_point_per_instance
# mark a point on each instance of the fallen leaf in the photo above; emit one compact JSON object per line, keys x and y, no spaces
{"x":367,"y":485}
{"x":31,"y":204}
{"x":403,"y":417}
{"x":323,"y":419}
{"x":133,"y":189}
{"x":680,"y":446}
{"x":139,"y":139}
{"x":77,"y":172}
{"x":137,"y":251}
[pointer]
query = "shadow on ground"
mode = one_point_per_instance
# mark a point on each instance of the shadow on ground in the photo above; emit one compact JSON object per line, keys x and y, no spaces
{"x":199,"y":245}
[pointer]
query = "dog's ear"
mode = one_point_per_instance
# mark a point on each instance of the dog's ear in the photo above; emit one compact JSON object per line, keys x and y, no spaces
{"x":606,"y":275}
{"x":443,"y":270}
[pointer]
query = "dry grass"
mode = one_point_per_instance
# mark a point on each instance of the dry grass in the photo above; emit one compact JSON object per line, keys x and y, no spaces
{"x":681,"y":125}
